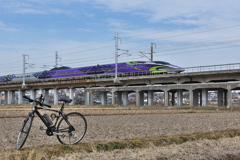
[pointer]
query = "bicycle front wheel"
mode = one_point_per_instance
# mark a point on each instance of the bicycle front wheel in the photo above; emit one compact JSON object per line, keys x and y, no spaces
{"x":24,"y":131}
{"x":71,"y":128}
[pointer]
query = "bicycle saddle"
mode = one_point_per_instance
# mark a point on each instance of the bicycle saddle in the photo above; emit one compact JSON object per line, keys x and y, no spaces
{"x":66,"y":100}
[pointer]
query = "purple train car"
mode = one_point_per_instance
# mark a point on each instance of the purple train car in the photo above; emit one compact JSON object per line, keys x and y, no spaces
{"x":126,"y":68}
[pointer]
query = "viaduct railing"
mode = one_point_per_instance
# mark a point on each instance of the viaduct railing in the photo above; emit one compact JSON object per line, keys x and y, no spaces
{"x":210,"y":68}
{"x":221,"y":67}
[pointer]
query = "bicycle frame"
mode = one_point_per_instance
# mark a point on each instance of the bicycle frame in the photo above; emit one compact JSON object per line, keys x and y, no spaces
{"x":61,"y":127}
{"x":60,"y":114}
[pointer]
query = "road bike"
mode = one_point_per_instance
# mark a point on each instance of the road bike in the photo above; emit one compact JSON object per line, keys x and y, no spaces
{"x":69,"y":128}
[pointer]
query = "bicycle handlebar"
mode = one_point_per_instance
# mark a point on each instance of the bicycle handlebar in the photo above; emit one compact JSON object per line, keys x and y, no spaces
{"x":37,"y":102}
{"x":29,"y":99}
{"x":47,"y":105}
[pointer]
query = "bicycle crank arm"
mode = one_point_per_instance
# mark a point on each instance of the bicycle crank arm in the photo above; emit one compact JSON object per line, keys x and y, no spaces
{"x":59,"y":134}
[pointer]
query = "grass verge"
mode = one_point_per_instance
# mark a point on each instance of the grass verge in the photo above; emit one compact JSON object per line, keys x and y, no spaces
{"x":49,"y":151}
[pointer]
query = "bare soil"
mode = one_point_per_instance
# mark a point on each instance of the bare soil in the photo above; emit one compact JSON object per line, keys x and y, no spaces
{"x":106,"y":124}
{"x":112,"y":127}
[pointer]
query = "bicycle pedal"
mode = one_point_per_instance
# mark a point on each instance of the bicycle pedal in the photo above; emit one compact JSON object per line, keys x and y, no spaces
{"x":41,"y":128}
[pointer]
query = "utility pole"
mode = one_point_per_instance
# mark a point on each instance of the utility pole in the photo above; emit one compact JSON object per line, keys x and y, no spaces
{"x":24,"y":69}
{"x":152,"y":45}
{"x":56,"y":59}
{"x":116,"y":80}
{"x":116,"y":57}
{"x":151,"y":53}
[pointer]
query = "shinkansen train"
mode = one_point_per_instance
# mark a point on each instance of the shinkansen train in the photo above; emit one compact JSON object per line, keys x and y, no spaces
{"x":126,"y":68}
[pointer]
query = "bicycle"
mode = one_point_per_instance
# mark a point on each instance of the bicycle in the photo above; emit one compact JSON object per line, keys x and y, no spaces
{"x":70,"y":129}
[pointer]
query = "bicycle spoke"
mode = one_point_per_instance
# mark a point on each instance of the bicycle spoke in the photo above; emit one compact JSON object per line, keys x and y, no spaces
{"x":69,"y":141}
{"x":24,"y":131}
{"x":73,"y":123}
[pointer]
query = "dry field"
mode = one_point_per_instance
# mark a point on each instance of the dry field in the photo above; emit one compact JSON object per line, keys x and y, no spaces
{"x":109,"y":124}
{"x":222,"y":149}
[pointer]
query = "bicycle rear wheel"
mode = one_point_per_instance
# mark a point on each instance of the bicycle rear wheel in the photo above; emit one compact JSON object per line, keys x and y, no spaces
{"x":71,"y":128}
{"x":24,"y":131}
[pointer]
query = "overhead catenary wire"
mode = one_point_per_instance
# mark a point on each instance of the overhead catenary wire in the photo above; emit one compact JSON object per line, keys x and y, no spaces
{"x":155,"y":38}
{"x":203,"y":24}
{"x":49,"y":59}
{"x":96,"y":60}
{"x":167,"y":37}
{"x":187,"y":34}
{"x":132,"y":51}
{"x":198,"y":50}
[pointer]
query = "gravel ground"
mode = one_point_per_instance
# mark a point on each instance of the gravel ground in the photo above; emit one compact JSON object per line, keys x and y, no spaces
{"x":108,"y":128}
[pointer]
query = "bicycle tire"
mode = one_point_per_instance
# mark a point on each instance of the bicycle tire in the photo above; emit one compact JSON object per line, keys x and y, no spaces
{"x":24,"y":131}
{"x":76,"y":133}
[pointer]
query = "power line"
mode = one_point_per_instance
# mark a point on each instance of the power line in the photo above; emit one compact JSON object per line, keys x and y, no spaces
{"x":15,"y":63}
{"x":205,"y":45}
{"x":180,"y":35}
{"x":142,"y":41}
{"x":203,"y":24}
{"x":163,"y":54}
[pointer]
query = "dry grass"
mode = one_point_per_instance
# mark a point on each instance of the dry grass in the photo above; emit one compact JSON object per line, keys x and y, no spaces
{"x":221,"y":149}
{"x":119,"y":131}
{"x":13,"y":111}
{"x":170,"y":147}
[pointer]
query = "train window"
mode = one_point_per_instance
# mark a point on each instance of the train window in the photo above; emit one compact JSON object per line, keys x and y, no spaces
{"x":60,"y":68}
{"x":161,"y":62}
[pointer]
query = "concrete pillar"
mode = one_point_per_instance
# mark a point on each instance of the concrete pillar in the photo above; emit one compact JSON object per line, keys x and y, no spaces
{"x":204,"y":97}
{"x":0,"y":97}
{"x":150,"y":98}
{"x":229,"y":96}
{"x":220,"y":97}
{"x":6,"y":97}
{"x":142,"y":98}
{"x":179,"y":97}
{"x":20,"y":97}
{"x":55,"y":93}
{"x":125,"y":98}
{"x":104,"y":98}
{"x":71,"y":95}
{"x":32,"y":94}
{"x":200,"y":92}
{"x":46,"y":96}
{"x":191,"y":97}
{"x":88,"y":97}
{"x":139,"y":98}
{"x":225,"y":97}
{"x":166,"y":99}
{"x":13,"y":97}
{"x":173,"y":98}
{"x":113,"y":98}
{"x":119,"y":98}
{"x":195,"y":97}
{"x":9,"y":97}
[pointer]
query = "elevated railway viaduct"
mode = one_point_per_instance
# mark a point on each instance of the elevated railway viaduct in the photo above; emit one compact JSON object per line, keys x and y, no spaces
{"x":197,"y":81}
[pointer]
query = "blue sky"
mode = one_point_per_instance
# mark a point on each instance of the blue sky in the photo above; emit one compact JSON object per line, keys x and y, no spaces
{"x":186,"y":33}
